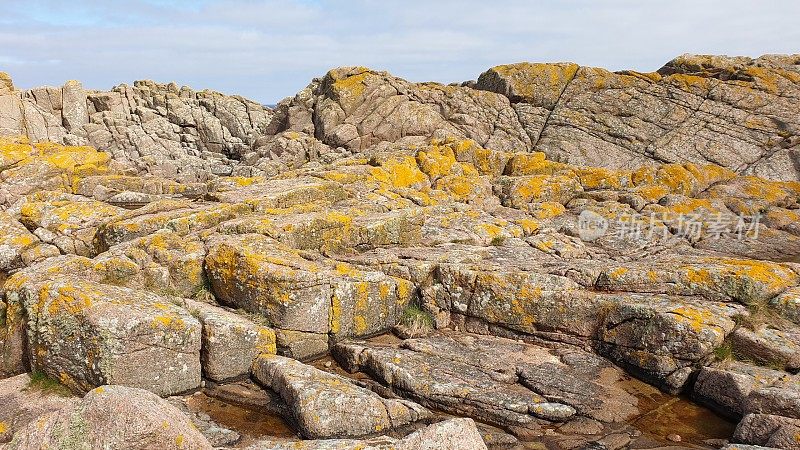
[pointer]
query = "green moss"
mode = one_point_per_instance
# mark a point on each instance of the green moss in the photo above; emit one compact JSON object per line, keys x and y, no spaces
{"x":43,"y":383}
{"x":498,"y":240}
{"x":724,"y":352}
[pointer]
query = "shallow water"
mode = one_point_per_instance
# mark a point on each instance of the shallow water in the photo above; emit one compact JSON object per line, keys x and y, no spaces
{"x":250,"y":423}
{"x":667,"y":414}
{"x":661,"y":415}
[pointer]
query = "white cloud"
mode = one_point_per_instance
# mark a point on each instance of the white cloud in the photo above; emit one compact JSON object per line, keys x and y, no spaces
{"x":270,"y":49}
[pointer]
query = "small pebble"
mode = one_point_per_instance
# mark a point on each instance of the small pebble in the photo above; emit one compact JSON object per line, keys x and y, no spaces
{"x":328,"y":364}
{"x":674,"y":437}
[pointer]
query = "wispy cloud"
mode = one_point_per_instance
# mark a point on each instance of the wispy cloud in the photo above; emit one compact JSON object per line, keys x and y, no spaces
{"x":270,"y":49}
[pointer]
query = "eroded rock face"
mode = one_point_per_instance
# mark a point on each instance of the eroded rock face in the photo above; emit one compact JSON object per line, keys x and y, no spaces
{"x":160,"y":129}
{"x":586,"y":115}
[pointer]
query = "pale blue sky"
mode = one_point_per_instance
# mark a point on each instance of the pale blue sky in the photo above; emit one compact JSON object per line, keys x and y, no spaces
{"x":270,"y":49}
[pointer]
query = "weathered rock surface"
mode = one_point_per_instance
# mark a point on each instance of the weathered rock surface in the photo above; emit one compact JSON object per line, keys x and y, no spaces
{"x":325,"y":405}
{"x":231,"y":342}
{"x":735,"y":112}
{"x":113,"y":417}
{"x":161,"y":129}
{"x":496,"y":380}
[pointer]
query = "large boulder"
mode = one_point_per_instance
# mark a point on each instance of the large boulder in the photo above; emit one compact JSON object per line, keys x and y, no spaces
{"x":113,"y":417}
{"x":24,"y":401}
{"x":87,"y":334}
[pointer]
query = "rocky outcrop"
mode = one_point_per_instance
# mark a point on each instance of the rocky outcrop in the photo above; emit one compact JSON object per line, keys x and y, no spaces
{"x":205,"y":234}
{"x":734,"y":112}
{"x":88,"y":334}
{"x":160,"y":129}
{"x":483,"y":377}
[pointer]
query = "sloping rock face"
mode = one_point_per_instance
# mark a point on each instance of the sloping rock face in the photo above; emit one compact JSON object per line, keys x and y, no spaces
{"x":543,"y":284}
{"x":734,"y":112}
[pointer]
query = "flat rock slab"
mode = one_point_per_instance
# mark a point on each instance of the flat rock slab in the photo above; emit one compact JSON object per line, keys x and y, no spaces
{"x":326,"y":406}
{"x":497,"y":380}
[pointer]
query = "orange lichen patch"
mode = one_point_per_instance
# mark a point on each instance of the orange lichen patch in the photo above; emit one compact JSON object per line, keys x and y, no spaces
{"x":618,"y":272}
{"x":529,"y":226}
{"x":688,"y":82}
{"x":770,"y":79}
{"x":69,"y":300}
{"x":483,"y":160}
{"x":697,"y":319}
{"x":601,"y":178}
{"x":691,"y":205}
{"x":437,"y":161}
{"x":534,"y":163}
{"x":241,"y":181}
{"x":699,"y":276}
{"x":166,"y":321}
{"x":266,"y":342}
{"x":13,"y":150}
{"x":547,"y":210}
{"x":644,"y":175}
{"x":769,"y":191}
{"x":542,"y":188}
{"x":652,"y":193}
{"x":460,"y":188}
{"x":352,"y":85}
{"x":601,"y":79}
{"x":530,"y":81}
{"x":544,"y":245}
{"x":773,"y":275}
{"x":399,"y":172}
{"x":677,"y":178}
{"x":709,"y":174}
{"x":779,"y":218}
